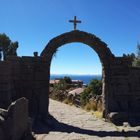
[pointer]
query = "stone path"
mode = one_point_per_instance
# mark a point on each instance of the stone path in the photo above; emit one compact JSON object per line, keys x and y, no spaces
{"x":76,"y":124}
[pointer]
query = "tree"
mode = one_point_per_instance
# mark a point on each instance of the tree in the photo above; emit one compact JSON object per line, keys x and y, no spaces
{"x":94,"y":88}
{"x":67,"y":80}
{"x":138,"y":50}
{"x":135,"y":58}
{"x":132,"y":56}
{"x":7,"y":47}
{"x":4,"y":44}
{"x":64,"y":82}
{"x":136,"y":61}
{"x":12,"y":49}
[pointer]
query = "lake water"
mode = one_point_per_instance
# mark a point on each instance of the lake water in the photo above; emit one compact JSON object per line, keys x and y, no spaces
{"x":85,"y":78}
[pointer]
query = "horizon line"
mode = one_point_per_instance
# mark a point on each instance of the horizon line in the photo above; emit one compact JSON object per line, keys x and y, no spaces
{"x":72,"y":74}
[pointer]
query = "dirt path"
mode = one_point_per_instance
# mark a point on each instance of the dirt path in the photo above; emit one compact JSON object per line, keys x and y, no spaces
{"x":76,"y":124}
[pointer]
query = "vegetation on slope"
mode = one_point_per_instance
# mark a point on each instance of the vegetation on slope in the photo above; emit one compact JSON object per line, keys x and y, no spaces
{"x":89,"y":99}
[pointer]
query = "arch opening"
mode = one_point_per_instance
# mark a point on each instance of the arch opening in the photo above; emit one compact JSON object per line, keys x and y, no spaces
{"x":92,"y":41}
{"x":75,"y":59}
{"x":74,"y":70}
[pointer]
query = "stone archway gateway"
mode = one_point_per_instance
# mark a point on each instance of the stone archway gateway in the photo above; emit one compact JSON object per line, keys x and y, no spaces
{"x":121,"y":90}
{"x":92,"y":41}
{"x":29,"y":77}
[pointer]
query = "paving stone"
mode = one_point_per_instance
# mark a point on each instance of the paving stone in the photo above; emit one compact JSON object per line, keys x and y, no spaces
{"x":77,"y":124}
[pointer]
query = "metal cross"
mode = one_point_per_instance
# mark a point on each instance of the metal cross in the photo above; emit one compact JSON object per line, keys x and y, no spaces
{"x":75,"y":22}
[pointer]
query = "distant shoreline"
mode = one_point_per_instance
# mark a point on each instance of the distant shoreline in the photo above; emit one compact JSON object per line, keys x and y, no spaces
{"x":79,"y":74}
{"x":85,"y":78}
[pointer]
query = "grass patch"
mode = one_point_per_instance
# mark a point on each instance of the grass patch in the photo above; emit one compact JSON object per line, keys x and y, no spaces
{"x":87,"y":107}
{"x":98,"y":114}
{"x":67,"y":101}
{"x":91,"y":106}
{"x":126,"y":138}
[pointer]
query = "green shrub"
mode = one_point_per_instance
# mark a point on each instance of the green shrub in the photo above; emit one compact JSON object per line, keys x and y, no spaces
{"x":94,"y":88}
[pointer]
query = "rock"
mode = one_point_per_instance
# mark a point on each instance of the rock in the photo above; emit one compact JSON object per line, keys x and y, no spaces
{"x":125,"y":124}
{"x":15,"y":124}
{"x":118,"y":117}
{"x":19,"y":113}
{"x":1,"y":134}
{"x":3,"y":115}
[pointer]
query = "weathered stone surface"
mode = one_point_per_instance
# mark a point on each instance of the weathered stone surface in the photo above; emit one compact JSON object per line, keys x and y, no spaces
{"x":14,"y":121}
{"x":18,"y":111}
{"x":120,"y":80}
{"x":29,"y":77}
{"x":2,"y":135}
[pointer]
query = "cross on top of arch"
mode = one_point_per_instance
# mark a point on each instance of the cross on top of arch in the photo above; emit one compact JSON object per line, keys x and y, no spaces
{"x":75,"y":21}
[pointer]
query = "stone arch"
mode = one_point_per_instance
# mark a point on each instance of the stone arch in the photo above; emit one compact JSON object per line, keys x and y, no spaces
{"x":92,"y":41}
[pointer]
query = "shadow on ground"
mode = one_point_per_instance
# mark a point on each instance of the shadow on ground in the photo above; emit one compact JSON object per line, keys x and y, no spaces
{"x":28,"y":137}
{"x":55,"y":126}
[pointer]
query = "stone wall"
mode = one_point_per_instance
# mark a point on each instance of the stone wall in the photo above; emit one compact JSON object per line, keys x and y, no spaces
{"x":25,"y":77}
{"x":124,"y":89}
{"x":29,"y":77}
{"x":5,"y":84}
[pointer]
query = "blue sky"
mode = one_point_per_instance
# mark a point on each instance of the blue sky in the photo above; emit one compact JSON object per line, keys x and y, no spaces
{"x":34,"y":22}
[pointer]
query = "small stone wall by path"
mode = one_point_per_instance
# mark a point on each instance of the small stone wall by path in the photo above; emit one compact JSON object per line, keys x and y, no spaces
{"x":76,"y":124}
